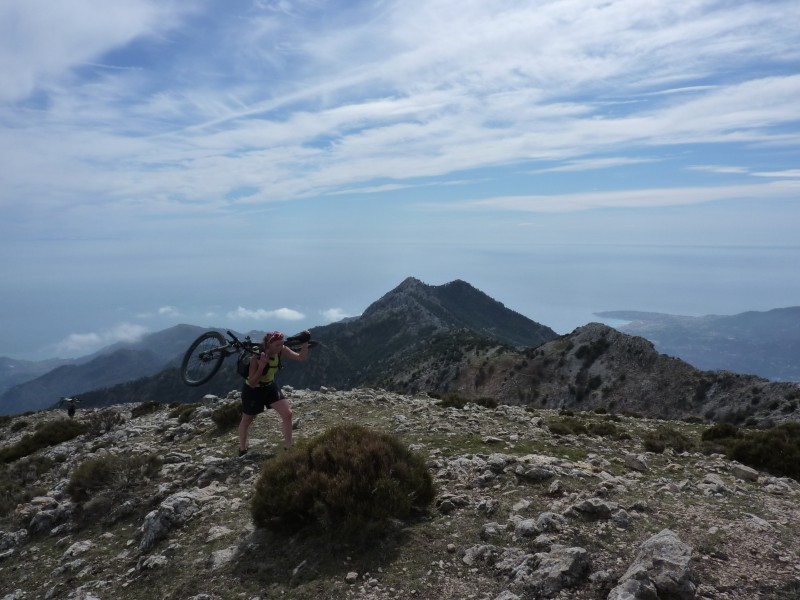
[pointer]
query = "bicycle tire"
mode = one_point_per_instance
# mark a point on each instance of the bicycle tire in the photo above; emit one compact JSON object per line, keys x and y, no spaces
{"x":199,"y":363}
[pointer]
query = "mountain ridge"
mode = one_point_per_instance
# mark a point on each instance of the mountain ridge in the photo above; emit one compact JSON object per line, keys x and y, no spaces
{"x":765,"y":343}
{"x":398,"y":323}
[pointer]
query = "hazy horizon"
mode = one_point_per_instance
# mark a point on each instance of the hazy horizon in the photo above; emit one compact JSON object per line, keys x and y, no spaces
{"x":561,"y":288}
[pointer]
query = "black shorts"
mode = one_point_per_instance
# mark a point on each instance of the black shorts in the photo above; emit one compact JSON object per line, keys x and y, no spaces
{"x":255,"y":400}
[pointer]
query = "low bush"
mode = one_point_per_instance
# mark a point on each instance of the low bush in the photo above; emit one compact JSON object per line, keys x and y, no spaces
{"x":228,"y":415}
{"x":345,"y":480}
{"x":146,"y":408}
{"x":567,"y":426}
{"x":776,"y":450}
{"x":102,"y":422}
{"x":603,"y":429}
{"x":665,"y":437}
{"x":112,"y":475}
{"x":17,"y":481}
{"x":453,"y":400}
{"x":49,"y":434}
{"x":720,"y":431}
{"x":18,"y":425}
{"x":183,"y":412}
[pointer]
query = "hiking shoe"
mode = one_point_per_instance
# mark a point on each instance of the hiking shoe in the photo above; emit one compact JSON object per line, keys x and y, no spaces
{"x":242,"y":453}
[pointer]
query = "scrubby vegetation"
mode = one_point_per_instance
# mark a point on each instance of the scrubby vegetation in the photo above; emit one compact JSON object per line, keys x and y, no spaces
{"x":102,"y":422}
{"x":18,"y":479}
{"x":146,"y":408}
{"x":664,"y":437}
{"x":50,"y":434}
{"x":345,"y":480}
{"x":775,"y":450}
{"x":453,"y":400}
{"x":182,"y":412}
{"x":227,"y":416}
{"x":112,"y":474}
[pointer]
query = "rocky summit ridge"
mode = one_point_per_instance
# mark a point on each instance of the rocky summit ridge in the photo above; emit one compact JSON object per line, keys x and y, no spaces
{"x":522,"y":510}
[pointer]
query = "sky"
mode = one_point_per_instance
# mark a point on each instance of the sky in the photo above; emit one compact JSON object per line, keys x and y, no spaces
{"x":260,"y":164}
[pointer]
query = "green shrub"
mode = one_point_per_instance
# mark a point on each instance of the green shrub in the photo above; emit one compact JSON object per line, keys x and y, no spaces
{"x":112,"y":475}
{"x":594,"y":383}
{"x":591,"y":352}
{"x":720,"y":431}
{"x":566,"y":426}
{"x":228,"y":415}
{"x":452,"y":400}
{"x":50,"y":433}
{"x":602,"y":429}
{"x":342,"y":480}
{"x":183,"y":412}
{"x":102,"y":422}
{"x":17,"y":481}
{"x":775,"y":450}
{"x":666,"y":437}
{"x":19,"y":425}
{"x":486,"y":402}
{"x":146,"y":408}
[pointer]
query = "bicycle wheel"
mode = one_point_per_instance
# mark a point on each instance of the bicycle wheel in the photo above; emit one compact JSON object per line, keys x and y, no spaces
{"x":203,"y":358}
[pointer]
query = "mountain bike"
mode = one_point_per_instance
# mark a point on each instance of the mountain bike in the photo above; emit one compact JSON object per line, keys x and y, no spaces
{"x":206,"y":354}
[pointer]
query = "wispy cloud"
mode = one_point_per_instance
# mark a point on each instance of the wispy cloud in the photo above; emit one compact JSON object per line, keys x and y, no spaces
{"x":590,"y":164}
{"x":84,"y":343}
{"x":502,"y":86}
{"x":789,"y":173}
{"x":331,"y":315}
{"x":718,"y":169}
{"x":168,"y":311}
{"x":260,"y":314}
{"x":640,"y":198}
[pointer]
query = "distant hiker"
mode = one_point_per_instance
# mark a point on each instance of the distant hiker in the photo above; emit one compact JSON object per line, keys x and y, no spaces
{"x":71,"y":402}
{"x":260,"y":390}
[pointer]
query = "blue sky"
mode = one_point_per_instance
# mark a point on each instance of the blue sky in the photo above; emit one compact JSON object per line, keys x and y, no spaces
{"x":276,"y":164}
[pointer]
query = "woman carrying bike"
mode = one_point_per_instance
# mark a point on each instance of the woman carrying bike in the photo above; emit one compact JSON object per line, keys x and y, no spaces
{"x":260,"y":390}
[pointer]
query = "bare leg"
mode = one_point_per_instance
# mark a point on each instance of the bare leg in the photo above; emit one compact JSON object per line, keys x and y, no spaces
{"x":284,"y":409}
{"x":244,"y":426}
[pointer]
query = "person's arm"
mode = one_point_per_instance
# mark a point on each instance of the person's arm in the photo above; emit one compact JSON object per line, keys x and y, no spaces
{"x":298,"y":356}
{"x":257,"y":365}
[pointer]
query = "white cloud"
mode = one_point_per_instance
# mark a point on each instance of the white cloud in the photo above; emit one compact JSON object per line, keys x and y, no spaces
{"x":331,"y":315}
{"x":718,"y":169}
{"x":85,"y":343}
{"x":451,"y":87}
{"x":596,"y":163}
{"x":260,"y":314}
{"x":640,"y":198}
{"x":168,"y":311}
{"x":789,"y":173}
{"x":41,"y":41}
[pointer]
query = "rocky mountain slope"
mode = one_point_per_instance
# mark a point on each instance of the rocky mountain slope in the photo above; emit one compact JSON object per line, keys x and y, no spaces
{"x":597,"y":366}
{"x":763,"y":343}
{"x":593,"y":367}
{"x":523,"y":510}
